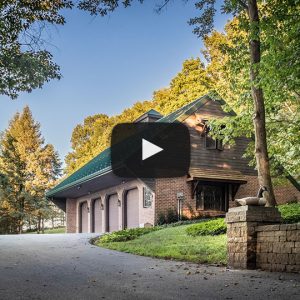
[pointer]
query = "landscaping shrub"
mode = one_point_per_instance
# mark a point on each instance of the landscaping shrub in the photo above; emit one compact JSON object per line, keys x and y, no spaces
{"x":171,"y":216}
{"x":183,"y":222}
{"x":126,"y":235}
{"x":290,"y":212}
{"x":161,"y":219}
{"x":211,"y":227}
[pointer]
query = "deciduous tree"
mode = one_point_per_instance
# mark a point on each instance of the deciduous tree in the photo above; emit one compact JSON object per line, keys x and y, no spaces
{"x":267,"y":25}
{"x":25,"y":64}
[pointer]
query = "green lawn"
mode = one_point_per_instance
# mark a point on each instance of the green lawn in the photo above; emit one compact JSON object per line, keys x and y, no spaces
{"x":174,"y":243}
{"x":55,"y":230}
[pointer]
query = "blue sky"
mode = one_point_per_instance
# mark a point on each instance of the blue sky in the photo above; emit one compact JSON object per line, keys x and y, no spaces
{"x":108,"y":64}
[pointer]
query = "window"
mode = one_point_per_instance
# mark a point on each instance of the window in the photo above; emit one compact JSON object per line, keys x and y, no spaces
{"x":148,"y":197}
{"x":211,"y":143}
{"x":210,"y":197}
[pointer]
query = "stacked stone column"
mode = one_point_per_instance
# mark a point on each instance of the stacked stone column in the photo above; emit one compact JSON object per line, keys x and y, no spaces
{"x":241,"y":233}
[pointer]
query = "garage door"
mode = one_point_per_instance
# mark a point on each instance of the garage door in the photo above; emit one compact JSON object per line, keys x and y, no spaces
{"x":113,"y":215}
{"x":84,"y":217}
{"x":97,"y":216}
{"x":132,"y":208}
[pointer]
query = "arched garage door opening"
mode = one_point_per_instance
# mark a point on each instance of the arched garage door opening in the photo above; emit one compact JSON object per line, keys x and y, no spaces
{"x":83,"y":217}
{"x":112,"y":213}
{"x":96,"y":216}
{"x":131,"y":209}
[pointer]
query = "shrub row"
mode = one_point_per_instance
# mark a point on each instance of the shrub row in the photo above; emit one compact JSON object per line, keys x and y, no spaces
{"x":290,"y":212}
{"x":127,"y":234}
{"x":211,"y":227}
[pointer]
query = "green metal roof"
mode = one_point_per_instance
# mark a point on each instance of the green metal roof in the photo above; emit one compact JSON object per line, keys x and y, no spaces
{"x":153,"y":112}
{"x":101,"y":164}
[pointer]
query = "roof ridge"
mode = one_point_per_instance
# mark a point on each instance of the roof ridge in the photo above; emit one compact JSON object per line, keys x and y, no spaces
{"x":170,"y":118}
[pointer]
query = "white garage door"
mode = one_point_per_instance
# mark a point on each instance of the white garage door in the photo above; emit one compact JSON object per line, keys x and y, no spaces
{"x":113,"y":215}
{"x":84,"y":217}
{"x":97,"y":216}
{"x":132,"y":208}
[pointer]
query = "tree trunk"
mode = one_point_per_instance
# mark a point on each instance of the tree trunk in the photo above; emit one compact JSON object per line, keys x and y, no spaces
{"x":261,"y":149}
{"x":39,"y":224}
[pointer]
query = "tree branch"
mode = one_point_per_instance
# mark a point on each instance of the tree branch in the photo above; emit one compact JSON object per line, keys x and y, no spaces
{"x":162,"y":6}
{"x":243,"y":4}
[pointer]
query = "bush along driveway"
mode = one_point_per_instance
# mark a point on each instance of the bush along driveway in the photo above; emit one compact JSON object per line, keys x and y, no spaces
{"x":204,"y":242}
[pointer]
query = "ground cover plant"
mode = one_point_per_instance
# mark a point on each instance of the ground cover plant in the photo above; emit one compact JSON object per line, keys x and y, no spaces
{"x":212,"y":227}
{"x":290,"y":212}
{"x":168,"y":242}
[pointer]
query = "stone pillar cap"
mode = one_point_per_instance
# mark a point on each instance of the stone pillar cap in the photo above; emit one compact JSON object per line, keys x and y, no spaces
{"x":249,"y":213}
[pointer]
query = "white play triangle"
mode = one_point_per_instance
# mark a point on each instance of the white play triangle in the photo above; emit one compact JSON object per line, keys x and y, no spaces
{"x":149,"y":149}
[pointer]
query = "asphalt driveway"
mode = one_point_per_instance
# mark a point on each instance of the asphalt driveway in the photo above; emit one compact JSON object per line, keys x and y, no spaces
{"x":66,"y":266}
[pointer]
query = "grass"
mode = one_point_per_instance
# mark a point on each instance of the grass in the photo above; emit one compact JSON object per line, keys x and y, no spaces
{"x":174,"y":243}
{"x":49,"y":231}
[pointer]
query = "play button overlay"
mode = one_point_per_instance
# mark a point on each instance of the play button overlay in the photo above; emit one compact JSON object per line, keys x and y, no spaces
{"x":150,"y":150}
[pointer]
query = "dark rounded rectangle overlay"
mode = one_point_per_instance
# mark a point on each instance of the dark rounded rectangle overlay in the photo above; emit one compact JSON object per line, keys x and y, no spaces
{"x":126,"y":150}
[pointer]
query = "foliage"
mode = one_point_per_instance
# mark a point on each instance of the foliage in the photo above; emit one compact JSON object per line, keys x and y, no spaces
{"x":228,"y":67}
{"x":48,"y":231}
{"x":28,"y":167}
{"x":290,"y":212}
{"x":127,"y":234}
{"x":183,"y":222}
{"x":211,"y":227}
{"x":171,"y":216}
{"x":24,"y":63}
{"x":227,"y":72}
{"x":161,"y":218}
{"x":174,"y":243}
{"x":93,"y":136}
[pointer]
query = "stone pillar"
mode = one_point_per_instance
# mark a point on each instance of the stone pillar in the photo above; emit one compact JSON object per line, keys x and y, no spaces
{"x":241,"y":233}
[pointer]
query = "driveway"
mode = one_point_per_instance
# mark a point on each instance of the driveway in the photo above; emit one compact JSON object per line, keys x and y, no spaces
{"x":66,"y":266}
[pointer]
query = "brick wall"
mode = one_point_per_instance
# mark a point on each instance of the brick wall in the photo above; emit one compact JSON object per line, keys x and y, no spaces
{"x":166,"y":190}
{"x":71,"y":215}
{"x":278,"y":247}
{"x":284,"y":192}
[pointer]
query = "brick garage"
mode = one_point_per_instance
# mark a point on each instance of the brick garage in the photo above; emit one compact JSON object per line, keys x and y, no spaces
{"x":218,"y":174}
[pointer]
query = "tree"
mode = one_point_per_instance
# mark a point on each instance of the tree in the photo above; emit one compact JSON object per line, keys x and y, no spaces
{"x":24,"y":63}
{"x":189,"y":84}
{"x":93,"y":136}
{"x":248,"y":13}
{"x":28,"y":168}
{"x":227,"y":55}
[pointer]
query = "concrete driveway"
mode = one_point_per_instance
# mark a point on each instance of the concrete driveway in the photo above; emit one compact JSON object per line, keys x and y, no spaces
{"x":66,"y":266}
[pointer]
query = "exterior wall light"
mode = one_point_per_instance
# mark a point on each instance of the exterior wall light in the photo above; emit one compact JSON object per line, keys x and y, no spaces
{"x":119,"y":202}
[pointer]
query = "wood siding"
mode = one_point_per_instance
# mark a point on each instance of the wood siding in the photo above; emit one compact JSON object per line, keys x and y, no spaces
{"x":229,"y":158}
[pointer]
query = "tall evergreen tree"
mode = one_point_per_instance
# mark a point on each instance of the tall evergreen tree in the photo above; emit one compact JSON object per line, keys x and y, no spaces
{"x":28,"y":167}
